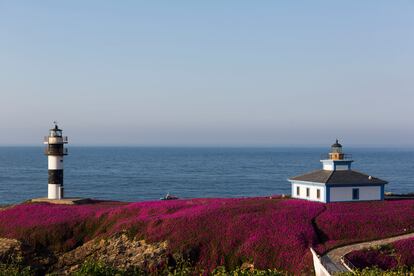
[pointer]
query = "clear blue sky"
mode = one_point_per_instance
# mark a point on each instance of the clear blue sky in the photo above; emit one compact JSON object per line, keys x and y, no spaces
{"x":208,"y":72}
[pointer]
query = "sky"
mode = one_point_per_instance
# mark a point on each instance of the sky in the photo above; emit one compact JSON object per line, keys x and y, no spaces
{"x":208,"y":73}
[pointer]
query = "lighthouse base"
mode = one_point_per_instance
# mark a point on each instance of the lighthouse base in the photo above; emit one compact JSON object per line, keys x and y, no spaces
{"x":55,"y":191}
{"x":64,"y":201}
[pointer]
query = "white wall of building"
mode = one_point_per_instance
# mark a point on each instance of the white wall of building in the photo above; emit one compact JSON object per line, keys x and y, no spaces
{"x":336,"y":165}
{"x":312,"y":191}
{"x":345,"y":193}
{"x":342,"y":167}
{"x":328,"y":166}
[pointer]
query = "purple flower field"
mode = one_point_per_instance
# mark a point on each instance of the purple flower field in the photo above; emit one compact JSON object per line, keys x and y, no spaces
{"x":350,"y":222}
{"x":405,"y":251}
{"x":271,"y":232}
{"x":396,"y":254}
{"x":369,"y":258}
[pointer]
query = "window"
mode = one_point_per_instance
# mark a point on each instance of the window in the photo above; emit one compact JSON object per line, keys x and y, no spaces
{"x":297,"y":190}
{"x":355,"y":194}
{"x":318,"y":193}
{"x":307,"y":192}
{"x":55,"y":133}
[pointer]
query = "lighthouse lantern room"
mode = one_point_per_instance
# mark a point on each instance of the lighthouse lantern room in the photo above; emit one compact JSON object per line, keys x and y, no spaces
{"x":55,"y":151}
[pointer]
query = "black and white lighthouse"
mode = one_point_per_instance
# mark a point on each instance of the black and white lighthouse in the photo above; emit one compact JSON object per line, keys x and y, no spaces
{"x":55,"y":151}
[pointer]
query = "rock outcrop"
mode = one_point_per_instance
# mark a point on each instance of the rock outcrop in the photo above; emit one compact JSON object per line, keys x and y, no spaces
{"x":10,"y":250}
{"x":118,"y":251}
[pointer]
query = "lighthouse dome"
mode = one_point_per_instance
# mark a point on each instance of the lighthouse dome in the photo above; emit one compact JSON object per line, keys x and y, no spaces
{"x":336,"y":145}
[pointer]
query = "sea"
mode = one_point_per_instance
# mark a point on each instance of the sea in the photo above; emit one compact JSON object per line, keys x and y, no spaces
{"x":148,"y":173}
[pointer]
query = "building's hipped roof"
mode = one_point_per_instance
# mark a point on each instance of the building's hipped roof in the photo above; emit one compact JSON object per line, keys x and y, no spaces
{"x":347,"y":177}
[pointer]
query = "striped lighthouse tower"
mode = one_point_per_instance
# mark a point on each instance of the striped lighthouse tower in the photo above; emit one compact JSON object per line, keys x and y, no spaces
{"x":55,"y":151}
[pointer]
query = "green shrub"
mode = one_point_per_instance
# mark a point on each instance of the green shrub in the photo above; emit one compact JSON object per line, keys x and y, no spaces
{"x":15,"y":270}
{"x":182,"y":268}
{"x":221,"y":271}
{"x":90,"y":268}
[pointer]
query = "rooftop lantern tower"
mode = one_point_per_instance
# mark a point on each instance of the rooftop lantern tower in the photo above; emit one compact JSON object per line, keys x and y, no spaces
{"x":55,"y":151}
{"x":336,"y":159}
{"x":336,"y":151}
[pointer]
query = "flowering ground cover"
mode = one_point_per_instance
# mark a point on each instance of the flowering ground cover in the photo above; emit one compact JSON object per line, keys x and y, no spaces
{"x":58,"y":227}
{"x":405,"y":251}
{"x":269,"y":232}
{"x":382,"y":258}
{"x":390,"y":256}
{"x":350,"y":222}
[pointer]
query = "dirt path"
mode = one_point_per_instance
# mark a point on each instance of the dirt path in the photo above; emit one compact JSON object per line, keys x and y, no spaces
{"x":332,"y":259}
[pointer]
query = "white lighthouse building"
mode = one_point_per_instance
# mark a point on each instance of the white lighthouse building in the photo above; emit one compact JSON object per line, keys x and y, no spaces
{"x":337,"y":181}
{"x":55,"y":151}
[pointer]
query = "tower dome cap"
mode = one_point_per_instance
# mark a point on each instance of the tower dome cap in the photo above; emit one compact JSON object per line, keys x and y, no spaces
{"x":56,"y":127}
{"x":336,"y":145}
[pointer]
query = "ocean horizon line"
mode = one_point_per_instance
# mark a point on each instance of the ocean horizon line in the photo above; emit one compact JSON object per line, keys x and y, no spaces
{"x":235,"y":146}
